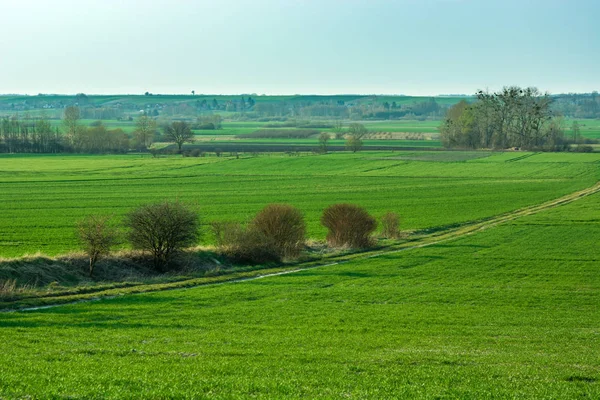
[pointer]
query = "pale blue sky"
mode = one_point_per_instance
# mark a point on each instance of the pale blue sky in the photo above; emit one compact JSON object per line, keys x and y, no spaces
{"x":418,"y":47}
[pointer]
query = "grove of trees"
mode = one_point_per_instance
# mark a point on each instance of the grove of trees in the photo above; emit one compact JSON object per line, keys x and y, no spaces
{"x":513,"y":117}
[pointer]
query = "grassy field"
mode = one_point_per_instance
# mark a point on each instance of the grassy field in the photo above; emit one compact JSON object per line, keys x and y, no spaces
{"x":510,"y":312}
{"x":43,"y":196}
{"x":589,"y":128}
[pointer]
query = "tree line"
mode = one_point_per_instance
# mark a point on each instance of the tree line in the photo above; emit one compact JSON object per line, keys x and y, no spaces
{"x":39,"y":136}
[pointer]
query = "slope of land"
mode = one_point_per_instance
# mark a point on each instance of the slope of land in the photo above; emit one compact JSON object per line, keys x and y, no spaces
{"x":509,"y":311}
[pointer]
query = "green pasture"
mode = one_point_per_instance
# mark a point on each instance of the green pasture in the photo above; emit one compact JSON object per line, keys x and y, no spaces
{"x":42,"y":197}
{"x":509,"y":312}
{"x":588,"y":128}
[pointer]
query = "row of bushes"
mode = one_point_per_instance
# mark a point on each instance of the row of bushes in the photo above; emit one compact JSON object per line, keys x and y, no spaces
{"x":277,"y":232}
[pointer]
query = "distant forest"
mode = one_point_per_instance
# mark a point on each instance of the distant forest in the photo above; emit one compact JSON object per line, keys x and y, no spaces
{"x":514,"y":117}
{"x":253,"y":107}
{"x":249,"y":107}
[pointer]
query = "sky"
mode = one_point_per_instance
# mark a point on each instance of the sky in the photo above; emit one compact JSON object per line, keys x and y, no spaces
{"x":413,"y":47}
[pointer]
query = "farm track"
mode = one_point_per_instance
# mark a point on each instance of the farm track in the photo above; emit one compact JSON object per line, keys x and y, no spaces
{"x":419,"y":242}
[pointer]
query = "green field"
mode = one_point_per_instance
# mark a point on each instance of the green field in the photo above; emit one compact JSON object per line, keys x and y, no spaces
{"x":589,"y":128}
{"x":509,"y":312}
{"x":43,"y":196}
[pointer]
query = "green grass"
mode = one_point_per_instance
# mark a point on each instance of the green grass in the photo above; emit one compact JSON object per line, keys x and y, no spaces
{"x":588,"y":128}
{"x":510,"y":312}
{"x":44,"y":196}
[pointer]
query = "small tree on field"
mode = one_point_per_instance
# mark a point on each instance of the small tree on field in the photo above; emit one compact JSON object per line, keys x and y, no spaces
{"x":145,"y":130}
{"x":97,"y":237}
{"x":357,"y":130}
{"x":338,"y":128}
{"x":390,"y":223}
{"x":354,"y":144}
{"x":179,"y":132}
{"x":575,"y":130}
{"x":323,"y":140}
{"x":355,"y":134}
{"x":283,"y":229}
{"x":163,"y":229}
{"x":348,"y":225}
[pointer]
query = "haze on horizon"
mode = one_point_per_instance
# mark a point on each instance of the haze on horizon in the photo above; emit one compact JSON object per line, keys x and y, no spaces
{"x":411,"y":47}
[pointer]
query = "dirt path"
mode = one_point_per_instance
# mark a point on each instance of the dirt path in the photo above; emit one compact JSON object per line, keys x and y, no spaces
{"x":424,"y":241}
{"x":471,"y":228}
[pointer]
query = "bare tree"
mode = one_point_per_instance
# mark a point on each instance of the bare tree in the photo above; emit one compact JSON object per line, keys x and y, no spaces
{"x":180,"y":133}
{"x":145,"y":128}
{"x":71,"y":123}
{"x":356,"y":132}
{"x":323,"y":139}
{"x":163,"y":229}
{"x":97,"y":237}
{"x":575,"y":130}
{"x":338,"y":128}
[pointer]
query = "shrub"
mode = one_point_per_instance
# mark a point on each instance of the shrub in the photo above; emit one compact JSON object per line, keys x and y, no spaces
{"x":8,"y":288}
{"x":277,"y":232}
{"x":583,"y":149}
{"x":348,"y":225}
{"x":162,"y":229}
{"x":354,"y":144}
{"x":283,"y":229}
{"x":390,"y":224}
{"x":97,"y":237}
{"x":242,"y":244}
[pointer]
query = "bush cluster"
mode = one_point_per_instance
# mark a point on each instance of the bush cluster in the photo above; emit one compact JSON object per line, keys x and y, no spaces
{"x":159,"y":228}
{"x":163,"y":229}
{"x":348,"y":225}
{"x":275,"y":234}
